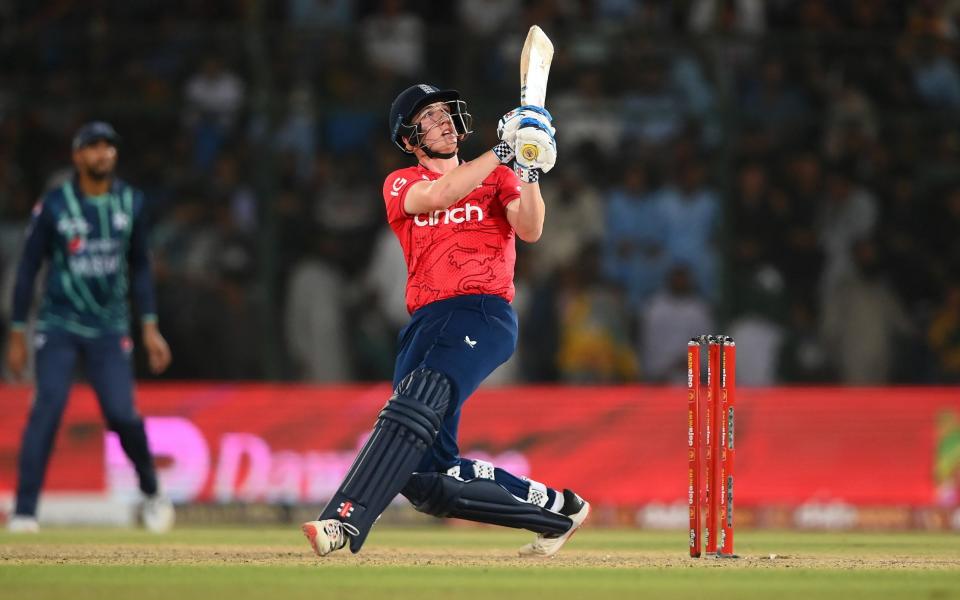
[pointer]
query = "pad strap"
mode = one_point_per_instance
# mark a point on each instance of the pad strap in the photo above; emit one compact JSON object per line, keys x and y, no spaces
{"x":537,"y":493}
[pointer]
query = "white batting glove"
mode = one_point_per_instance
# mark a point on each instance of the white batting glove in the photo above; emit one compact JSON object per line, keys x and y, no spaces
{"x":525,"y":174}
{"x":535,"y":147}
{"x":510,"y":122}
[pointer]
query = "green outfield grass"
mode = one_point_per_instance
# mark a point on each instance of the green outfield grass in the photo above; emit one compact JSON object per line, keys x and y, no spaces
{"x":440,"y":562}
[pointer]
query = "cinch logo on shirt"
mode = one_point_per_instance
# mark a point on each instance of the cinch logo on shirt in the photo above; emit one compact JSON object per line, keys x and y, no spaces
{"x":468,"y":212}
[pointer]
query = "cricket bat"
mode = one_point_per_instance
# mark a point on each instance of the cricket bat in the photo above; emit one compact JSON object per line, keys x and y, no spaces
{"x":535,"y":62}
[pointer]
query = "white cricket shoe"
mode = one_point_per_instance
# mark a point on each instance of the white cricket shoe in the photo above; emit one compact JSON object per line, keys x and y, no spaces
{"x":157,"y":513}
{"x":545,"y":545}
{"x":23,"y":524}
{"x":328,"y":535}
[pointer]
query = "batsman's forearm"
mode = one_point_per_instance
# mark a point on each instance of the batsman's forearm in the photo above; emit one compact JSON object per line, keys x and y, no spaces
{"x":530,"y":213}
{"x":456,"y":184}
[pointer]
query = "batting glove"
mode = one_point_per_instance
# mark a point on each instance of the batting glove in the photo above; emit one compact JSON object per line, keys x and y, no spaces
{"x":510,"y":122}
{"x":525,"y":174}
{"x":504,"y":152}
{"x":535,"y":146}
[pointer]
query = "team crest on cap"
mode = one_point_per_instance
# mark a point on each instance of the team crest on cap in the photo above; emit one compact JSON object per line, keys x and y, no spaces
{"x":427,"y":88}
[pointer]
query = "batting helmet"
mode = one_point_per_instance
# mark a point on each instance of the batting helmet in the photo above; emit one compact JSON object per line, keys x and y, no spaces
{"x":406,"y":106}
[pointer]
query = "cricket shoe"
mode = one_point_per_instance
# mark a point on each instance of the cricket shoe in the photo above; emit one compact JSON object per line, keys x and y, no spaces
{"x":545,"y":545}
{"x":157,"y":514}
{"x":23,"y":524}
{"x":328,"y":535}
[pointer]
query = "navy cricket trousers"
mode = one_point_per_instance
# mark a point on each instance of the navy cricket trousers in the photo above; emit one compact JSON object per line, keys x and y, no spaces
{"x":465,"y":338}
{"x":107,"y":359}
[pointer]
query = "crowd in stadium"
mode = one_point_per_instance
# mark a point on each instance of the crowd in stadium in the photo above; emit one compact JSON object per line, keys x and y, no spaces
{"x":786,"y":172}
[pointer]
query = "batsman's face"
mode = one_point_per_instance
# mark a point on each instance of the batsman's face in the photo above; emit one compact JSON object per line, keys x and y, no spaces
{"x":97,"y":160}
{"x":435,"y":122}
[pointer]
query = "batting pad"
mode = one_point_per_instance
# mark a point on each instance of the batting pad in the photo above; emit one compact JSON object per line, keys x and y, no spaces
{"x":480,"y":500}
{"x":405,"y":429}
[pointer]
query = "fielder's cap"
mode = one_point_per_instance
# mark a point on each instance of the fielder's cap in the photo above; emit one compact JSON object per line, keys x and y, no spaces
{"x":93,"y":132}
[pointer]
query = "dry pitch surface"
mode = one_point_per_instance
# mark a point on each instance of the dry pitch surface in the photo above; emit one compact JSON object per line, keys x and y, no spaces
{"x":455,"y":562}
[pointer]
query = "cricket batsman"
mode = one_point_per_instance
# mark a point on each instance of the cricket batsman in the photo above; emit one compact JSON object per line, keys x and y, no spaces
{"x":91,"y":231}
{"x":457,"y":223}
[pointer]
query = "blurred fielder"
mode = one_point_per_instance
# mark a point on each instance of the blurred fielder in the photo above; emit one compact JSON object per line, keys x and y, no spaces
{"x":92,"y":232}
{"x":456,"y":222}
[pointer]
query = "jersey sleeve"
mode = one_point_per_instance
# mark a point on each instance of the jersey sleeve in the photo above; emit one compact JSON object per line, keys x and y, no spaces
{"x":35,"y":250}
{"x":141,"y":276}
{"x":509,"y":188}
{"x":395,"y":190}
